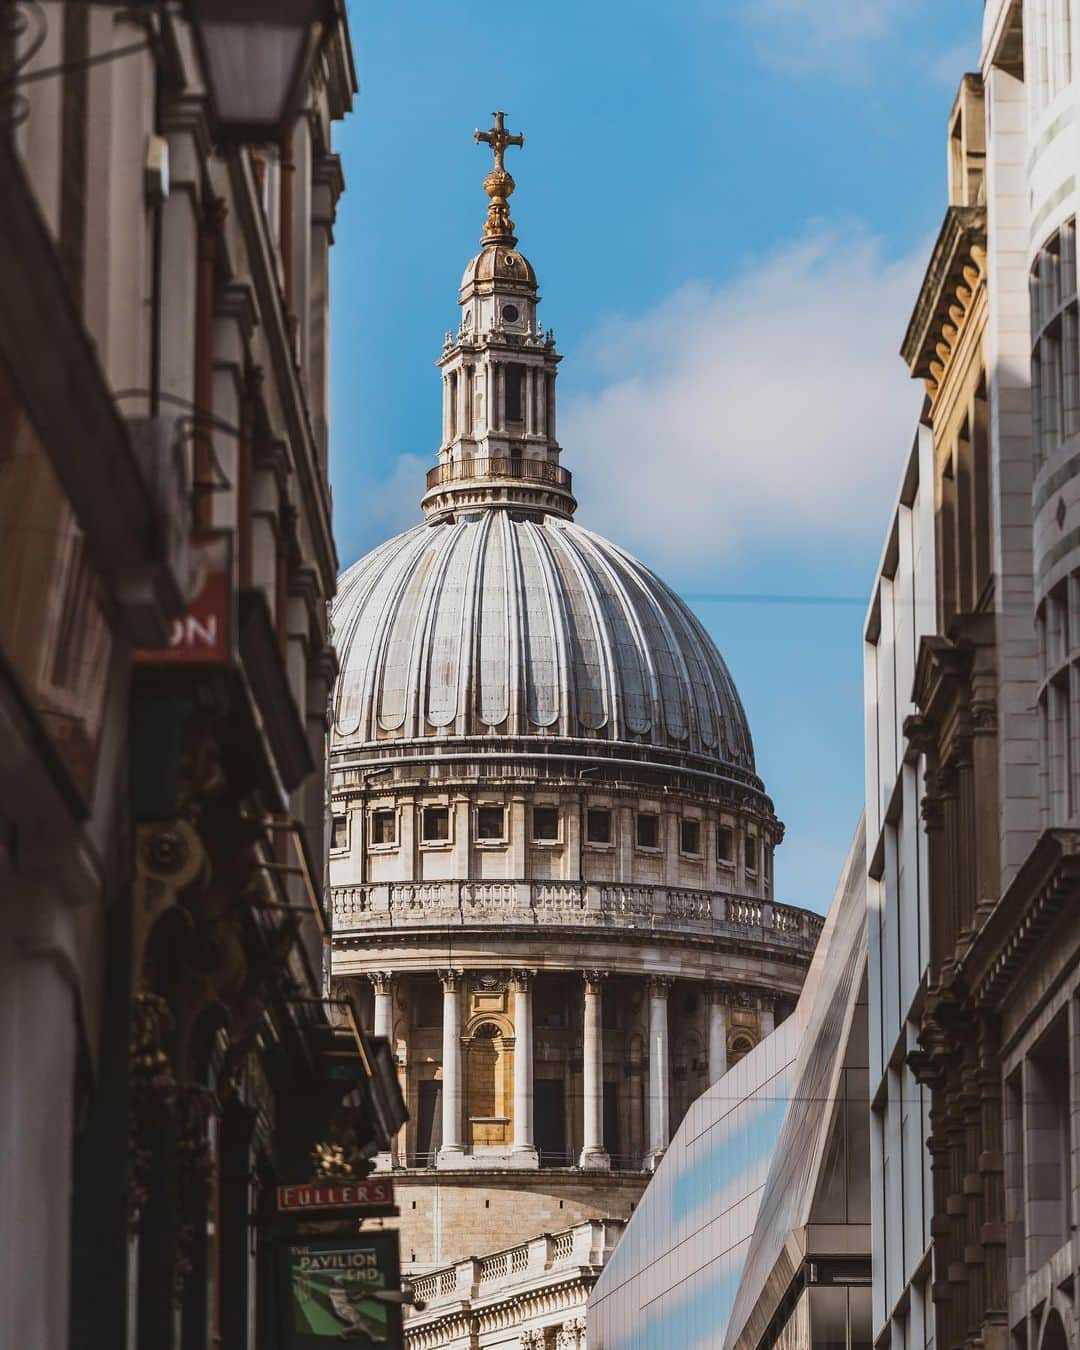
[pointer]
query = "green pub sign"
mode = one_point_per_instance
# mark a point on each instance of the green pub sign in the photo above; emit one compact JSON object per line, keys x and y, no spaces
{"x":330,"y":1292}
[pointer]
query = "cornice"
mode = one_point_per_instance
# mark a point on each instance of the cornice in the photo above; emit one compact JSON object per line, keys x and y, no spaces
{"x":1047,"y":883}
{"x":955,"y":269}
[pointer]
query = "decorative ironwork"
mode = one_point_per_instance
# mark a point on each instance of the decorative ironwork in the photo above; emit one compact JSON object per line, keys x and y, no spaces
{"x":153,"y":1094}
{"x":194,"y":1176}
{"x":23,"y":30}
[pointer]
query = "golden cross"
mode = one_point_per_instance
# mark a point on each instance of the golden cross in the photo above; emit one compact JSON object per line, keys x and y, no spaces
{"x":498,"y":138}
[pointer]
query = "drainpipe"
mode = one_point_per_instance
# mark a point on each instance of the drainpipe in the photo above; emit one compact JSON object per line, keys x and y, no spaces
{"x":203,"y":467}
{"x":285,"y":234}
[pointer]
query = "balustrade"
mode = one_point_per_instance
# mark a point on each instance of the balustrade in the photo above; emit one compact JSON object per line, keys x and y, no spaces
{"x":636,"y":900}
{"x":527,"y":470}
{"x":440,"y":903}
{"x":465,"y":1279}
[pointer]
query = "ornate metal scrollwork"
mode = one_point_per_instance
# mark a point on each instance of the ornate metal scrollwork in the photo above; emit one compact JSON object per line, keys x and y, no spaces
{"x":194,"y":1175}
{"x":153,"y":1094}
{"x":23,"y":29}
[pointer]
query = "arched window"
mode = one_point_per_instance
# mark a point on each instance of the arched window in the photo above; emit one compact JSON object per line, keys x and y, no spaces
{"x":739,"y":1046}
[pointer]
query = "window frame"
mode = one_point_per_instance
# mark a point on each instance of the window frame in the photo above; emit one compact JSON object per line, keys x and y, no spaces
{"x":535,"y":838}
{"x":379,"y":844}
{"x":436,"y":842}
{"x":750,"y":844}
{"x":697,"y":823}
{"x":499,"y":840}
{"x":729,"y":860}
{"x":334,"y":817}
{"x":638,"y":818}
{"x":606,"y":811}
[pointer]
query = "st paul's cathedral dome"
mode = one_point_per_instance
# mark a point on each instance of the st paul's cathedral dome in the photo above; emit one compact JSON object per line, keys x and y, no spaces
{"x":499,"y":617}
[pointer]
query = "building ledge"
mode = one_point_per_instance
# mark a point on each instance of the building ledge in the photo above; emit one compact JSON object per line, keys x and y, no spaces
{"x":1047,"y":884}
{"x":964,"y":227}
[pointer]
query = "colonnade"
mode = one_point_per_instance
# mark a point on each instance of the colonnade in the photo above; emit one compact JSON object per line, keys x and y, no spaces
{"x":593,"y":1153}
{"x":459,"y":415}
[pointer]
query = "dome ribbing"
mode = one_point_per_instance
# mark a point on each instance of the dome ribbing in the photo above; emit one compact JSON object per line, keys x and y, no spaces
{"x":529,"y":628}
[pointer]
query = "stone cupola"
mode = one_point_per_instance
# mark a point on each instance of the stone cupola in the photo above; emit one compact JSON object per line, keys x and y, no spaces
{"x":498,"y":437}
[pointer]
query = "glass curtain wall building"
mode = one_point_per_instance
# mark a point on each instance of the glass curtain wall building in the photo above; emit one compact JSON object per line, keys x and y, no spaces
{"x":756,"y":1224}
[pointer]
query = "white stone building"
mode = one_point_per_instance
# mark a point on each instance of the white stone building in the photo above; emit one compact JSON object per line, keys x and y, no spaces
{"x":994,"y":985}
{"x":551,"y":855}
{"x":902,"y":610}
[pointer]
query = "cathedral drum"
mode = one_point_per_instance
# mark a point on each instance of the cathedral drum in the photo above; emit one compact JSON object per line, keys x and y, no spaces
{"x":551,"y":853}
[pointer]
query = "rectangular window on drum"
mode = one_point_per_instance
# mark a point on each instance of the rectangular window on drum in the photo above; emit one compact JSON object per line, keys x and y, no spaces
{"x":598,"y":826}
{"x":384,"y":827}
{"x":339,"y":833}
{"x":436,"y":824}
{"x":491,"y":824}
{"x":648,"y":830}
{"x":545,"y":823}
{"x":725,"y":844}
{"x":751,"y":852}
{"x":690,"y":836}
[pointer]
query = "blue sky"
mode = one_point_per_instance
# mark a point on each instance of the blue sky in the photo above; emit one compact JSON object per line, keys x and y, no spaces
{"x":729,"y":204}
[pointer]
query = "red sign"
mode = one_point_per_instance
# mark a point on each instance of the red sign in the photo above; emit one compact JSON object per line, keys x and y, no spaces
{"x":201,"y":635}
{"x":375,"y":1194}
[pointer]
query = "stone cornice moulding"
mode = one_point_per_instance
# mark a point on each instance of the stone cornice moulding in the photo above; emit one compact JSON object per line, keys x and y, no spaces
{"x":960,"y":250}
{"x":1047,"y":883}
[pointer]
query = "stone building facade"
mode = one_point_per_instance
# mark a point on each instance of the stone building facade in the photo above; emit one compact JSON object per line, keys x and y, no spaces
{"x":551,"y":853}
{"x":993,"y":1029}
{"x":166,"y":559}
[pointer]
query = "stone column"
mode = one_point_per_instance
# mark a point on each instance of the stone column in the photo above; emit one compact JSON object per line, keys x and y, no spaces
{"x":382,"y":982}
{"x":659,"y":1105}
{"x":717,"y":1034}
{"x":593,"y":1153}
{"x":452,"y":1151}
{"x":524,"y":1149}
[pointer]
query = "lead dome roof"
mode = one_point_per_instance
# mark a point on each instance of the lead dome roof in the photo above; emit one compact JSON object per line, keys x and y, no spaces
{"x":499,"y":264}
{"x":497,"y":625}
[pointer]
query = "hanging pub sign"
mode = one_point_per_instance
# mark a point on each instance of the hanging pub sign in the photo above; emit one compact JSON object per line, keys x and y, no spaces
{"x":339,"y":1289}
{"x":375,"y":1196}
{"x":201,"y":636}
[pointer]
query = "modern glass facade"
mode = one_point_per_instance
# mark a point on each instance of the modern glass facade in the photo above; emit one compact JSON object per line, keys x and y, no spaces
{"x":775,"y":1148}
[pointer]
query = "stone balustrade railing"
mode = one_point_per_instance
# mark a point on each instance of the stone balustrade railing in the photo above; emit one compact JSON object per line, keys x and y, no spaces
{"x":586,"y":1244}
{"x":439,"y":904}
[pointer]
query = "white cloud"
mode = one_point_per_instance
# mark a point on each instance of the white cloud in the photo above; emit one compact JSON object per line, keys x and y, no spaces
{"x":820,"y":34}
{"x":772,"y":409}
{"x":395,"y":503}
{"x":952,"y":65}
